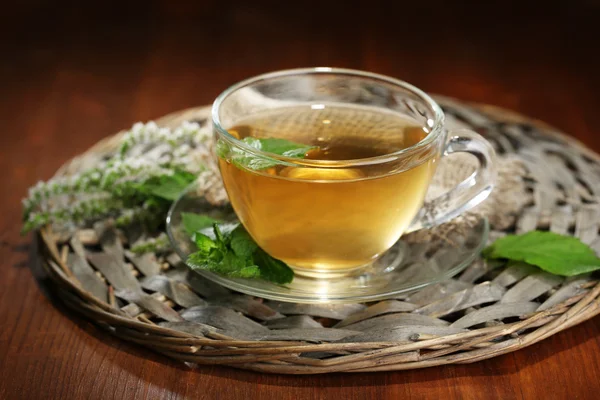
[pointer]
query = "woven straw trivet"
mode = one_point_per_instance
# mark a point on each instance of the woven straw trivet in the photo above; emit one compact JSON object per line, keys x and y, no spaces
{"x":486,"y":311}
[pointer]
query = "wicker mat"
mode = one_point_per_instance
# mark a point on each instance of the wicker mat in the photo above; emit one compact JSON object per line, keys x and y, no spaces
{"x":488,"y":310}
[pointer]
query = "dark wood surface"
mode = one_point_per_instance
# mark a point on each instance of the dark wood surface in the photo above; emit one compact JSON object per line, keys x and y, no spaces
{"x":70,"y":76}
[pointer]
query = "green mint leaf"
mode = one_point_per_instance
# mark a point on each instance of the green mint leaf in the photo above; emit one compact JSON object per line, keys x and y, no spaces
{"x":242,"y":243}
{"x":281,"y":147}
{"x":243,"y":159}
{"x":272,"y":269}
{"x":216,"y":255}
{"x":200,"y":261}
{"x":222,"y":148}
{"x":232,"y":263}
{"x":194,"y":222}
{"x":204,"y":243}
{"x":221,"y":239}
{"x":554,"y":253}
{"x":168,"y":187}
{"x":230,"y":250}
{"x":249,"y":272}
{"x":256,"y":163}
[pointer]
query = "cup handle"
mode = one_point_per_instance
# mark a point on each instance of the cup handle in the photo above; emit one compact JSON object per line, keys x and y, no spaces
{"x":469,"y":192}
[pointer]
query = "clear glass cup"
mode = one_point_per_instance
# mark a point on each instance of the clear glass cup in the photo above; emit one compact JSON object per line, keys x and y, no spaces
{"x":328,"y":218}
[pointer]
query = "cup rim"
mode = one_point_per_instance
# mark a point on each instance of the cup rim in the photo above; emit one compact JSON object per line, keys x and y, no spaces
{"x":434,"y":133}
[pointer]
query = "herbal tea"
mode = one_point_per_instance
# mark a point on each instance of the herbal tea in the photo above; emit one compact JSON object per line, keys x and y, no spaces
{"x":330,"y":219}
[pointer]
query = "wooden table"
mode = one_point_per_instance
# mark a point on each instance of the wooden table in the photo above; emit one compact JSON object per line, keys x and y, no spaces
{"x":70,"y":76}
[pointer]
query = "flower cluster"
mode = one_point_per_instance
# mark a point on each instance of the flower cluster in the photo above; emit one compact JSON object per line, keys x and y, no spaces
{"x":126,"y":185}
{"x":142,"y":135}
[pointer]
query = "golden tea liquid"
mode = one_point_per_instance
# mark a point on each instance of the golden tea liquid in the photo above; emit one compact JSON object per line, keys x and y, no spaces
{"x":324,"y":220}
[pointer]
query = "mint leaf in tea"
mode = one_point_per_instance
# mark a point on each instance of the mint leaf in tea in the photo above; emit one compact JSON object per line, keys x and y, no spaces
{"x":280,"y":147}
{"x":329,"y":217}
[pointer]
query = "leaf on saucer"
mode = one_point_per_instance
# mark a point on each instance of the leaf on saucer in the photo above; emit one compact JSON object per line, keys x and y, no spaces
{"x":233,"y":253}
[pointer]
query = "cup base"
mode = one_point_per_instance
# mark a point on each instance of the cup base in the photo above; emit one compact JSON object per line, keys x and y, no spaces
{"x":319,"y":273}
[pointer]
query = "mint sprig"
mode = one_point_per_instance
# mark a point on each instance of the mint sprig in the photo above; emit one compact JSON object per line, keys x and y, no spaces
{"x":134,"y":186}
{"x":233,"y":253}
{"x":554,"y":253}
{"x":245,"y":159}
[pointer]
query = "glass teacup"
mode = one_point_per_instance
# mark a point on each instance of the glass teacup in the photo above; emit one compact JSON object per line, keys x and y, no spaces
{"x":372,"y":144}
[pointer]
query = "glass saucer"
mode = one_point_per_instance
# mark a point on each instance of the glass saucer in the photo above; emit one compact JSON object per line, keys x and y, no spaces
{"x":404,"y":268}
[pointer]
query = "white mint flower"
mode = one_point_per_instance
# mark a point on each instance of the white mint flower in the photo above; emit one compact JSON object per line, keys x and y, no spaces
{"x":147,"y":151}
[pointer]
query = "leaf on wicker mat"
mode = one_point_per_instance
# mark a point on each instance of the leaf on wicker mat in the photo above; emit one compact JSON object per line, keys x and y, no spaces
{"x":557,"y":254}
{"x":401,"y":334}
{"x":528,"y":220}
{"x":395,"y":320}
{"x":114,"y":270}
{"x":76,"y":245}
{"x":314,"y":335}
{"x":109,"y":240}
{"x":478,"y":269}
{"x":483,"y":293}
{"x":497,"y":311}
{"x":596,"y":245}
{"x":561,"y":219}
{"x":87,"y":237}
{"x":133,"y":310}
{"x":149,"y":304}
{"x":179,"y":292}
{"x":230,"y":322}
{"x":567,"y":291}
{"x":334,"y":311}
{"x":587,"y":223}
{"x":438,"y":291}
{"x":174,"y":260}
{"x":294,"y":322}
{"x":87,"y":276}
{"x":146,"y":262}
{"x":514,"y":273}
{"x":134,"y":233}
{"x":194,"y":328}
{"x":199,"y":284}
{"x":531,"y":287}
{"x":247,"y":305}
{"x":383,"y":307}
{"x":418,"y":270}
